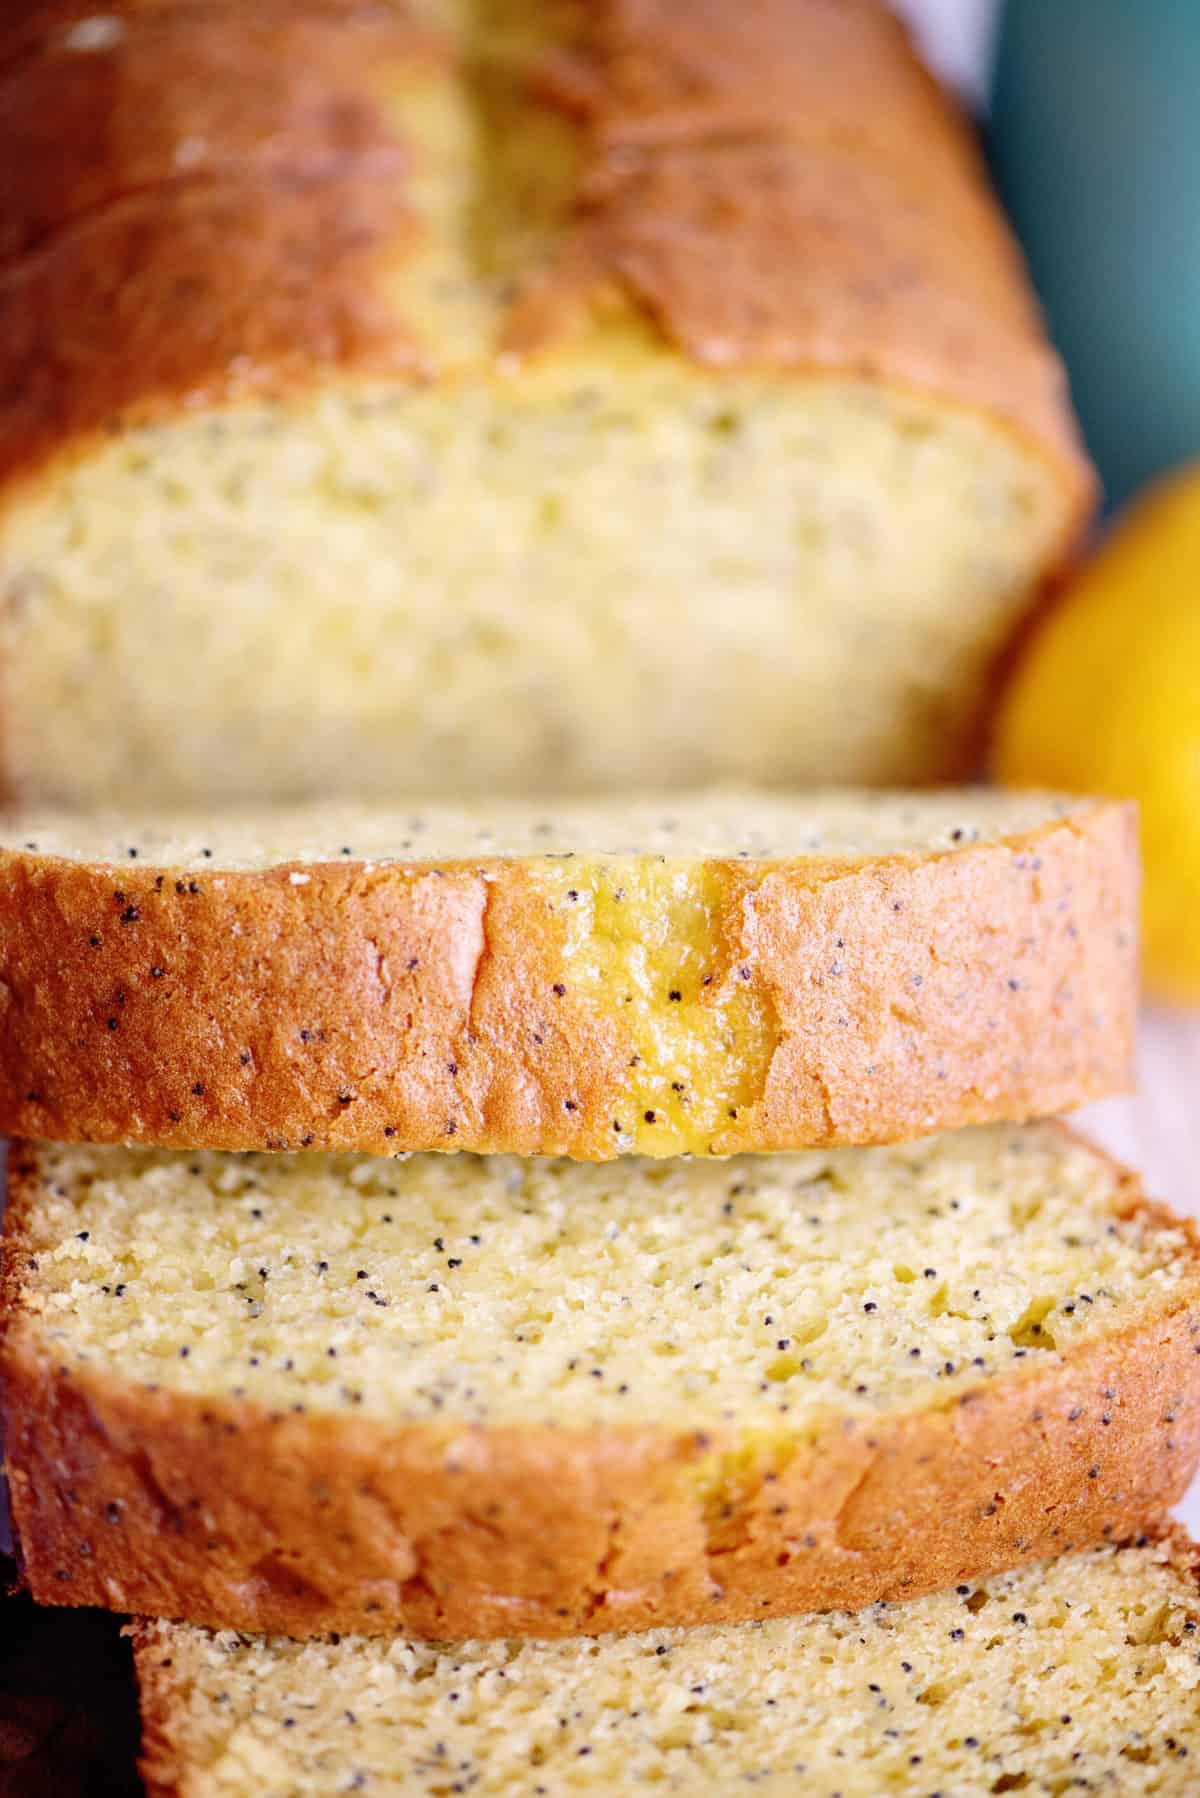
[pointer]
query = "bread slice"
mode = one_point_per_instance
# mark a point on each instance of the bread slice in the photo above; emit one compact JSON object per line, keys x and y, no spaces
{"x":504,"y":395}
{"x":1076,"y":1676}
{"x":459,"y":1397}
{"x":716,"y":973}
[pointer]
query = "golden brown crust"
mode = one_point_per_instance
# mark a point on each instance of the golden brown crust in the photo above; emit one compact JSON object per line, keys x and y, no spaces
{"x":216,"y":1512}
{"x":392,"y":1007}
{"x":785,"y":186}
{"x":151,"y":272}
{"x":639,"y":71}
{"x":199,"y":147}
{"x":781,"y":256}
{"x":32,"y":26}
{"x":280,"y":97}
{"x":787,"y":189}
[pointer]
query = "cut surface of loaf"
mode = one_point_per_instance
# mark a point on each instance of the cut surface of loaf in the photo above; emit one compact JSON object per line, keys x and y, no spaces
{"x":458,"y":1396}
{"x":508,"y":396}
{"x":1080,"y":1675}
{"x":706,"y":973}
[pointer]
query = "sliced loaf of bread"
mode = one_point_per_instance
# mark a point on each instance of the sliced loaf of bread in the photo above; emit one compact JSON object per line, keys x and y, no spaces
{"x":453,"y":1396}
{"x":1080,"y":1676}
{"x":709,"y":974}
{"x":481,"y":395}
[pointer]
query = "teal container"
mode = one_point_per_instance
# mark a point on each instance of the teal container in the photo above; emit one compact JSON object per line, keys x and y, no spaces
{"x":1096,"y":148}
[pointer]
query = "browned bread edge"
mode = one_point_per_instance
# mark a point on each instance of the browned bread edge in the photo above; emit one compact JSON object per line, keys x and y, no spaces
{"x":165,"y":1774}
{"x":220,"y":1513}
{"x":415,"y":1006}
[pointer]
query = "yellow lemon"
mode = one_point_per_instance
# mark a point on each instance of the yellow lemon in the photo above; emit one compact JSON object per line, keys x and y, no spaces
{"x":1107,"y":700}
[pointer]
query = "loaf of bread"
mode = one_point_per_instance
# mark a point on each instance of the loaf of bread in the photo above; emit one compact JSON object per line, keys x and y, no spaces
{"x":711,"y":974}
{"x":527,"y":395}
{"x":454,"y":1396}
{"x":1079,"y":1676}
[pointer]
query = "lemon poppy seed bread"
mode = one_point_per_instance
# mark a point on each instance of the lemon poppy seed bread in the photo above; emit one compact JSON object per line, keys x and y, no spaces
{"x":708,"y":973}
{"x":504,"y":395}
{"x":458,"y":1396}
{"x":1079,"y":1675}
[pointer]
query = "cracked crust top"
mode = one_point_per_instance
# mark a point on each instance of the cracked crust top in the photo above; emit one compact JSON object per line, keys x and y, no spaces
{"x":255,"y":180}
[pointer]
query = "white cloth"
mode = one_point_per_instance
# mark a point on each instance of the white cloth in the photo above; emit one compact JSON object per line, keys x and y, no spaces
{"x":956,"y":38}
